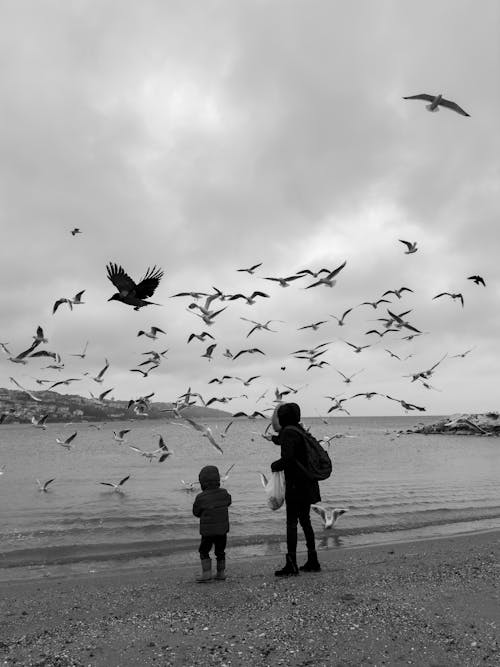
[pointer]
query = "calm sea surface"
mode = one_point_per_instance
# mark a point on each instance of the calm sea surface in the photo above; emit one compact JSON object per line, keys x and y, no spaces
{"x":390,"y":485}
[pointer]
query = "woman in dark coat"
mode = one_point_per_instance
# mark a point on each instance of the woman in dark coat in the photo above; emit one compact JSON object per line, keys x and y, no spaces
{"x":300,"y":491}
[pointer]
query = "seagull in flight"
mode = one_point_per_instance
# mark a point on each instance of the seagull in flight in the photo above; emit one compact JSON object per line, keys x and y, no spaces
{"x":411,"y":245}
{"x":75,"y":301}
{"x":328,"y":515}
{"x":284,"y":282}
{"x":453,"y":296}
{"x":40,"y":422}
{"x":208,"y":316}
{"x":162,"y":453}
{"x":99,"y":376}
{"x":75,"y":231}
{"x":314,"y":326}
{"x":44,"y":487}
{"x":407,"y":406}
{"x":246,"y":383}
{"x":21,"y":357}
{"x":65,"y":382}
{"x":398,"y":319}
{"x":357,"y":348}
{"x":374,"y":304}
{"x":67,"y":443}
{"x":82,"y":354}
{"x":225,"y":476}
{"x":251,"y":270}
{"x":206,"y":432}
{"x":259,"y":325}
{"x":437,"y":101}
{"x":102,"y":396}
{"x":348,"y":378}
{"x":40,"y":337}
{"x":32,"y":396}
{"x":398,"y":292}
{"x":477,"y":280}
{"x":340,"y":321}
{"x":328,"y":280}
{"x":249,"y":299}
{"x":253,"y":350}
{"x":224,"y":432}
{"x":151,"y":333}
{"x":202,"y":336}
{"x":209,"y":351}
{"x":120,"y":435}
{"x":254,"y":414}
{"x":129,"y":292}
{"x":117,"y":488}
{"x":462,"y":355}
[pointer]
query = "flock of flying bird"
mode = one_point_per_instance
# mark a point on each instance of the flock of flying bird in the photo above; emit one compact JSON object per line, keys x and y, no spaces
{"x":208,"y":307}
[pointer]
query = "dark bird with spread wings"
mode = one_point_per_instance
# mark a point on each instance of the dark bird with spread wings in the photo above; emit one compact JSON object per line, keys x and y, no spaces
{"x":131,"y":293}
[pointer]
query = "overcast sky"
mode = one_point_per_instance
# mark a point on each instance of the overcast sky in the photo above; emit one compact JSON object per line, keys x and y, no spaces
{"x":203,"y":137}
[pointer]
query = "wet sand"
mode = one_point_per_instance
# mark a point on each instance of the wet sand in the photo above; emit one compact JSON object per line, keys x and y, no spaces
{"x":427,"y":603}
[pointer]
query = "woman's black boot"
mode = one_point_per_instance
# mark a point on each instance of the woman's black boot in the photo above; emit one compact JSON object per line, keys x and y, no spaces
{"x":312,"y":563}
{"x":290,"y":568}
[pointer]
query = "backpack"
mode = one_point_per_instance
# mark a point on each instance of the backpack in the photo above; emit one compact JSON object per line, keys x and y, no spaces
{"x":319,"y":464}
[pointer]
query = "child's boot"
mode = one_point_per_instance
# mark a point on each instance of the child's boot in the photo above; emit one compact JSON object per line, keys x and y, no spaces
{"x":221,"y":569}
{"x":206,"y":571}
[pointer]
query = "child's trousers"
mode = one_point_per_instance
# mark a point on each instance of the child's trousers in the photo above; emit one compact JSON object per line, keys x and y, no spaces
{"x":219,"y":544}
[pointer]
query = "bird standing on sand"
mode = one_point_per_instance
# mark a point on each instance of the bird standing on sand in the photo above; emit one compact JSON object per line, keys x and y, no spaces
{"x":129,"y":292}
{"x":437,"y":101}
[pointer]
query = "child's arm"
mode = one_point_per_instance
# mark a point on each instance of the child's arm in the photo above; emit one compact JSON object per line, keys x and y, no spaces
{"x":197,"y":508}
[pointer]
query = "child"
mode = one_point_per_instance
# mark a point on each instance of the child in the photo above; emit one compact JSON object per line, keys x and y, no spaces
{"x":211,"y":507}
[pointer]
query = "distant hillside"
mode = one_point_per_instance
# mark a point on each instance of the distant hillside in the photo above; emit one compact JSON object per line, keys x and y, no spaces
{"x":18,"y":406}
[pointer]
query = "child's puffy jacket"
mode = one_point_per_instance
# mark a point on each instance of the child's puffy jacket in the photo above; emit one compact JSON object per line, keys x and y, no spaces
{"x":211,"y":505}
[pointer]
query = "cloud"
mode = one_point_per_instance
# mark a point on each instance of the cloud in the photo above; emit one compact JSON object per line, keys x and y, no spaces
{"x":207,"y":138}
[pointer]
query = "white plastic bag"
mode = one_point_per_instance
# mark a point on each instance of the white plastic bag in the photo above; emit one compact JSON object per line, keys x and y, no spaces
{"x":275,"y":489}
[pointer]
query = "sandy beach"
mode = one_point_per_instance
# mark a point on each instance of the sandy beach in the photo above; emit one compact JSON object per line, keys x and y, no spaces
{"x":430,"y":602}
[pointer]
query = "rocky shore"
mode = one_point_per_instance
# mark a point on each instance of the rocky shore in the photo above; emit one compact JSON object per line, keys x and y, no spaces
{"x":425,"y":603}
{"x":487,"y":424}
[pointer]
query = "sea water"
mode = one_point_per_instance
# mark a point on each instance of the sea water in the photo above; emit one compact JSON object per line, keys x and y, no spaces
{"x":390,"y":484}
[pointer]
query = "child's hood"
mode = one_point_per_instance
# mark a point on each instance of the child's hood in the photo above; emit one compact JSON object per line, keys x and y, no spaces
{"x":209,"y":478}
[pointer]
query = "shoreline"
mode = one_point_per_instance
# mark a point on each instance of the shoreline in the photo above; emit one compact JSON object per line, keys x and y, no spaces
{"x":426,"y":602}
{"x":120,"y":554}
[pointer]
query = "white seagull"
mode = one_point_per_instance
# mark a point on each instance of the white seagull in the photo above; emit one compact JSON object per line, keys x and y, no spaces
{"x":99,"y":376}
{"x":206,"y":432}
{"x":67,"y":443}
{"x":151,"y":333}
{"x":120,"y":435}
{"x":411,"y":245}
{"x":329,"y":515}
{"x":43,"y":487}
{"x":116,"y":487}
{"x":40,"y":422}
